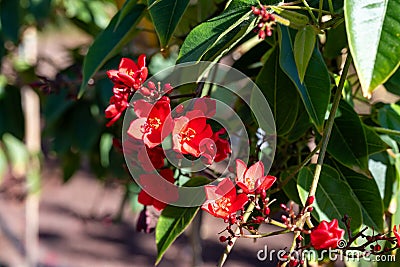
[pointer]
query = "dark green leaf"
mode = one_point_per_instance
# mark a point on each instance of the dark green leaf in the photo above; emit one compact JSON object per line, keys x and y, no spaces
{"x":304,"y":43}
{"x":373,"y":31}
{"x":389,"y":117}
{"x":333,"y":199}
{"x":315,"y":91}
{"x":336,"y":40}
{"x":393,"y":84}
{"x":367,"y":193}
{"x":111,"y":40}
{"x":166,"y":15}
{"x":10,"y":19}
{"x":374,"y":142}
{"x":3,"y":164}
{"x":11,"y":116}
{"x":174,"y":220}
{"x":348,"y":143}
{"x":280,"y":93}
{"x":211,"y":39}
{"x":70,"y":163}
{"x":301,"y":125}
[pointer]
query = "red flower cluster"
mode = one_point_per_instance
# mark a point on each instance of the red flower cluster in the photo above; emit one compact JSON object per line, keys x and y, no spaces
{"x":266,"y":21}
{"x":128,"y":78}
{"x":326,"y":235}
{"x":222,"y":200}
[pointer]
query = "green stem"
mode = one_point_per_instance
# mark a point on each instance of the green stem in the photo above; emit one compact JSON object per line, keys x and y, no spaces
{"x":386,"y":131}
{"x":331,"y":7}
{"x":305,"y":8}
{"x":329,"y":125}
{"x":321,"y":3}
{"x":280,"y":232}
{"x":229,"y":247}
{"x":310,"y":12}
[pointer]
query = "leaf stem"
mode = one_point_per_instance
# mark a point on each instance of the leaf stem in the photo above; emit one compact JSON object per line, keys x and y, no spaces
{"x":305,"y":8}
{"x":386,"y":131}
{"x":228,"y":248}
{"x":329,"y":125}
{"x":310,"y":11}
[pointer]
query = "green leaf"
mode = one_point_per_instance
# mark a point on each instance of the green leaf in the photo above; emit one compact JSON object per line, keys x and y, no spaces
{"x":10,"y":13}
{"x":373,"y":31}
{"x":374,"y":142}
{"x":304,"y":43}
{"x":214,"y":37}
{"x":367,"y":193}
{"x":17,"y":154}
{"x":110,"y":41}
{"x":348,"y":143}
{"x":389,"y":117}
{"x":334,"y":197}
{"x":70,"y":162}
{"x":393,"y":84}
{"x":280,"y":93}
{"x":174,"y":220}
{"x":166,"y":15}
{"x":315,"y":91}
{"x":336,"y":40}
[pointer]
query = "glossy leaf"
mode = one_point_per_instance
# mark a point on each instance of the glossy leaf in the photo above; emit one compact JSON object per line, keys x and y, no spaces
{"x":315,"y":91}
{"x":393,"y":84}
{"x":348,"y":143}
{"x":373,"y":31}
{"x":280,"y":93}
{"x":304,"y":44}
{"x":374,"y":142}
{"x":367,"y":193}
{"x":110,"y":41}
{"x":334,"y":197}
{"x":210,"y":39}
{"x":166,"y":15}
{"x":389,"y":117}
{"x":174,"y":220}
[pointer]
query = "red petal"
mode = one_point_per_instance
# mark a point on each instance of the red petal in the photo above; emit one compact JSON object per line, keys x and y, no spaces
{"x":268,"y":181}
{"x":144,"y":198}
{"x":241,"y":168}
{"x":135,"y":129}
{"x":256,"y":171}
{"x":142,"y":108}
{"x":141,"y":61}
{"x":127,"y":64}
{"x":239,"y":203}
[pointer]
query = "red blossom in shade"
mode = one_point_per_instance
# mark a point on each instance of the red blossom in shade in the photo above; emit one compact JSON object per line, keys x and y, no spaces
{"x":151,"y":158}
{"x":222,"y":200}
{"x":215,"y":149}
{"x":250,"y":179}
{"x":326,"y":235}
{"x":129,"y":74}
{"x":397,"y":235}
{"x":189,"y":131}
{"x":206,"y":105}
{"x":154,"y":122}
{"x":149,"y":182}
{"x":118,"y":103}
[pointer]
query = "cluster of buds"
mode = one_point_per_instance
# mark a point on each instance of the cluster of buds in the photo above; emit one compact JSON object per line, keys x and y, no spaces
{"x":266,"y":21}
{"x":155,"y":91}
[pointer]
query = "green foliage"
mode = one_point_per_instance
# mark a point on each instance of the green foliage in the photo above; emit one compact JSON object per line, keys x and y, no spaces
{"x":374,"y":42}
{"x":110,"y":41}
{"x":166,"y":15}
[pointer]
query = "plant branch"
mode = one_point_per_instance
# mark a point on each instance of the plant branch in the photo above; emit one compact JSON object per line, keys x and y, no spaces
{"x":229,"y":247}
{"x":386,"y":131}
{"x":329,"y":125}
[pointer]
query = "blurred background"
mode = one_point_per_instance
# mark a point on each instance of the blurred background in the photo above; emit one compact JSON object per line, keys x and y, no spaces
{"x":65,"y":196}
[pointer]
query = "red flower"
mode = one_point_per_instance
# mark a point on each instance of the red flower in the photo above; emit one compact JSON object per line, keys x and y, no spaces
{"x":150,"y":182}
{"x":117,"y":105}
{"x":189,"y":131}
{"x":397,"y":235}
{"x":154,"y":122}
{"x":215,"y":149}
{"x":151,"y":158}
{"x":206,"y":105}
{"x":222,"y":200}
{"x":252,"y":178}
{"x":129,"y":75}
{"x":326,"y":235}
